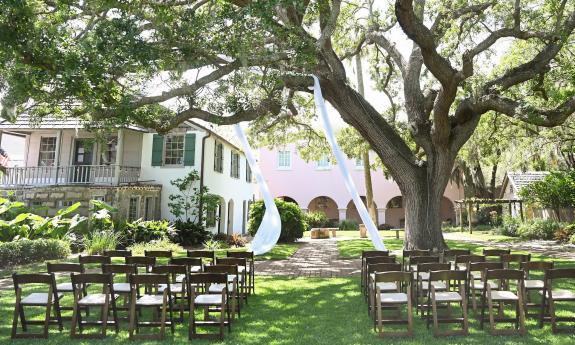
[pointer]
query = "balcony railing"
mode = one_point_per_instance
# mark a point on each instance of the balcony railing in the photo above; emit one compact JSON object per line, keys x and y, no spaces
{"x":76,"y":174}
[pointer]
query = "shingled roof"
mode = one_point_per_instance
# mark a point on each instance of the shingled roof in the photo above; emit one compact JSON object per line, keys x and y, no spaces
{"x":519,"y":180}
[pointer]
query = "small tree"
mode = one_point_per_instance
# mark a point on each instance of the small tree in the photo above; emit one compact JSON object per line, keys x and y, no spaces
{"x":292,"y":217}
{"x":555,"y":191}
{"x":185,"y":205}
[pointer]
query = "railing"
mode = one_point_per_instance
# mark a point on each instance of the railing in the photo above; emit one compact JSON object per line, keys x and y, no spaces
{"x":76,"y":174}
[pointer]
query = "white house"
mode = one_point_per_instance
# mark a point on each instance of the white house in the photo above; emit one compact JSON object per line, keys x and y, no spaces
{"x":131,"y":169}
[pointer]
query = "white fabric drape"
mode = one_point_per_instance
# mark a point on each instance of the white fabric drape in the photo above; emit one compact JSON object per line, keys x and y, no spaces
{"x":348,"y":181}
{"x":271,"y":225}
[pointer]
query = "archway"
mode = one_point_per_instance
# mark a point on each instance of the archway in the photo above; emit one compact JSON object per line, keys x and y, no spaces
{"x":395,"y":212}
{"x":217,"y":217}
{"x":352,"y":213}
{"x":326,"y":205}
{"x":288,"y":199}
{"x":230,"y":217}
{"x":447,"y":211}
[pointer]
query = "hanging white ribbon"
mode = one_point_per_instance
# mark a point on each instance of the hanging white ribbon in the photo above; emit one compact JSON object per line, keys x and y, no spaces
{"x":271,"y":226}
{"x":348,"y":181}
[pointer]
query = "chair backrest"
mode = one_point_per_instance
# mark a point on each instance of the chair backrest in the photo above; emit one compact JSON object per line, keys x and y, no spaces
{"x":91,"y":278}
{"x":383,"y":267}
{"x":529,"y":266}
{"x":146,"y":262}
{"x":496,"y":252}
{"x":453,"y":253}
{"x":209,"y":254}
{"x":149,"y":279}
{"x":449,"y":276}
{"x":119,"y":269}
{"x":414,"y":260}
{"x":396,"y":276}
{"x":232,"y":261}
{"x":243,"y":255}
{"x":504,"y":274}
{"x":371,"y":253}
{"x":64,"y":267}
{"x":186,"y":261}
{"x":433,"y":266}
{"x":158,"y":253}
{"x":560,"y":273}
{"x":379,"y":260}
{"x":33,"y":278}
{"x":169,"y":269}
{"x":416,"y":252}
{"x":118,"y":253}
{"x":483,"y":266}
{"x":94,"y":259}
{"x":229,"y":269}
{"x":507,"y":259}
{"x":208,"y":278}
{"x":465,"y":259}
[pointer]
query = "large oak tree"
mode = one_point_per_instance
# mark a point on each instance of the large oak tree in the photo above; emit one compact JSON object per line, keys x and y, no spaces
{"x":159,"y":63}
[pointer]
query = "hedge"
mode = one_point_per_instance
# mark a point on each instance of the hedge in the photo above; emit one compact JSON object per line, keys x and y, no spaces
{"x":28,"y":251}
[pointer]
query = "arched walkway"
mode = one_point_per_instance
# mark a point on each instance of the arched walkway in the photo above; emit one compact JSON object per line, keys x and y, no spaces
{"x":288,"y":199}
{"x":395,"y":212}
{"x":326,"y":205}
{"x":230,"y":227}
{"x":447,"y":210}
{"x":220,"y":219}
{"x":352,"y":213}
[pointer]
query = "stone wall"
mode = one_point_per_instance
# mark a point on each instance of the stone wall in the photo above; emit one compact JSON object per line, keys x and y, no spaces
{"x":47,"y":200}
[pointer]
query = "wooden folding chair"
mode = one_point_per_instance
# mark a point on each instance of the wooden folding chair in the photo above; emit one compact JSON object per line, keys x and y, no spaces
{"x":534,"y":285}
{"x":118,"y":253}
{"x":180,"y":290}
{"x":203,"y":254}
{"x":370,"y":260}
{"x":550,"y":296}
{"x":455,"y":283}
{"x":104,"y":300}
{"x":504,"y":296}
{"x":449,"y":255}
{"x":155,"y":300}
{"x":476,"y":278}
{"x":66,"y":287}
{"x":421,"y":275}
{"x":89,"y":260}
{"x":121,"y":288}
{"x":393,"y":300}
{"x":462,"y":262}
{"x":159,"y":254}
{"x":201,"y":283}
{"x":513,"y":261}
{"x":242,"y":277}
{"x":368,"y":254}
{"x":194,"y":265}
{"x":384,"y":287}
{"x":495,"y":253}
{"x":234,"y":298}
{"x":35,"y":299}
{"x":145,"y":262}
{"x":249,"y":256}
{"x":407,"y":254}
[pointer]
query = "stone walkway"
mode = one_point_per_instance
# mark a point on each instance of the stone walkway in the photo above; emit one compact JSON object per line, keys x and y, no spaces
{"x":315,"y":258}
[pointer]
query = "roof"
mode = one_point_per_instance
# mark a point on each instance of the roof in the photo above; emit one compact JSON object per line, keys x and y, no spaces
{"x":519,"y":180}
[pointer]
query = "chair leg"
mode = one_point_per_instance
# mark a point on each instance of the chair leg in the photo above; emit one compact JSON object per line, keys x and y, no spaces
{"x":163,"y":317}
{"x":552,"y":315}
{"x":17,"y":308}
{"x":132,"y":316}
{"x":192,"y":326}
{"x":435,"y":317}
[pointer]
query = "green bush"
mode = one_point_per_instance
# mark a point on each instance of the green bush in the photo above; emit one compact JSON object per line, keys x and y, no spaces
{"x":509,"y":226}
{"x":213,"y":244}
{"x":572,"y":239}
{"x":292,"y":218}
{"x":189,"y":233}
{"x":316,"y":219}
{"x":539,"y":229}
{"x":100,"y":241}
{"x":28,"y":251}
{"x":148,"y":230}
{"x":565,"y":234}
{"x":349,"y":224}
{"x":384,"y":226}
{"x":161,"y":244}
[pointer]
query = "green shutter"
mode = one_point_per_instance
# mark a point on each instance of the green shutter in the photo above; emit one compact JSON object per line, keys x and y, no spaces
{"x":157,"y":150}
{"x":189,"y":149}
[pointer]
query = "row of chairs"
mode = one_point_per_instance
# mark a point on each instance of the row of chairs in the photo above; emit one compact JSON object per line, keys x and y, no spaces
{"x":219,"y":285}
{"x":428,"y":281}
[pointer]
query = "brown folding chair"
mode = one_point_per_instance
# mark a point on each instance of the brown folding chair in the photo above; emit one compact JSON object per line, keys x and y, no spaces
{"x":455,"y":283}
{"x":421,"y":275}
{"x":393,"y":300}
{"x":368,"y":254}
{"x":249,"y":256}
{"x":159,"y":254}
{"x":121,"y":288}
{"x":449,"y":255}
{"x":89,"y":260}
{"x":35,"y":299}
{"x":513,"y":261}
{"x":242,"y":269}
{"x":234,"y":298}
{"x":550,"y":296}
{"x":534,"y":285}
{"x":104,"y":300}
{"x":179,"y":289}
{"x":491,"y":253}
{"x":117,"y":253}
{"x":504,"y":296}
{"x":194,"y":265}
{"x":370,"y":260}
{"x":462,"y":261}
{"x":145,"y":262}
{"x":154,"y":300}
{"x":66,"y":287}
{"x":201,"y":283}
{"x":476,"y":278}
{"x":407,"y":254}
{"x":204,"y":254}
{"x":385,"y":287}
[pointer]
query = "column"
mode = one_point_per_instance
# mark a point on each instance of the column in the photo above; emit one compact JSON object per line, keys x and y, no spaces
{"x":119,"y":157}
{"x":58,"y":153}
{"x":381,"y":215}
{"x":341,"y":213}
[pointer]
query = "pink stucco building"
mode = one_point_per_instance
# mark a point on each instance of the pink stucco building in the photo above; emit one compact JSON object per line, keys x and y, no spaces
{"x":318,"y":186}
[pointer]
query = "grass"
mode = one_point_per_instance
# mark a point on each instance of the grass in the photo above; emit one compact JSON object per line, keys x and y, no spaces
{"x":486,"y":236}
{"x":309,"y":311}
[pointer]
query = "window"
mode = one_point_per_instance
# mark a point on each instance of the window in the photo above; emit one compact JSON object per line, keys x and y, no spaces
{"x":211,"y":217}
{"x":323,"y":162}
{"x":284,"y":160}
{"x":108,"y":154}
{"x":65,"y":203}
{"x":133,"y":208}
{"x":174,"y":150}
{"x":248,"y":172}
{"x":359,"y":163}
{"x":219,"y":157}
{"x":98,"y":198}
{"x":47,"y":156}
{"x":235,"y":170}
{"x":150,"y":208}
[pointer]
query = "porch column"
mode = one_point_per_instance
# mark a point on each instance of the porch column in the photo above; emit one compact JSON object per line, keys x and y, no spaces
{"x":119,"y":157}
{"x":57,"y":159}
{"x":381,"y":215}
{"x":341,"y":213}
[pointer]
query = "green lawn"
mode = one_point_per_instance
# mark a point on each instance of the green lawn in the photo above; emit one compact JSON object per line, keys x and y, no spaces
{"x":300,"y":311}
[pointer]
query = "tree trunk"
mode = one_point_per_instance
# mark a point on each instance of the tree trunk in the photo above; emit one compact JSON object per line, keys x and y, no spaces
{"x":369,"y":187}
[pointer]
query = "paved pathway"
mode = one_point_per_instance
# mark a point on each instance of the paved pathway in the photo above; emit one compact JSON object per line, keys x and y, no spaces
{"x":315,"y":258}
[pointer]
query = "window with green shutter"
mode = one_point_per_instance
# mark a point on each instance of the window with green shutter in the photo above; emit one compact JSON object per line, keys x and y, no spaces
{"x":157,"y":150}
{"x":190,"y":149}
